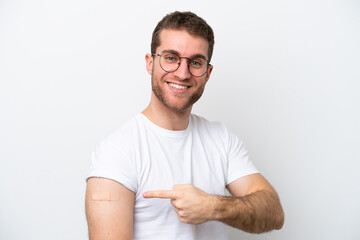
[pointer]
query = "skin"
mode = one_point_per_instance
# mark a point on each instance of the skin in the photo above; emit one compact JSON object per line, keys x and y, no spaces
{"x":110,"y":220}
{"x":254,"y":206}
{"x":172,"y":110}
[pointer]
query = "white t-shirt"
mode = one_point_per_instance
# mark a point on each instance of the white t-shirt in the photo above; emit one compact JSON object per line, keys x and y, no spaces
{"x":143,"y":157}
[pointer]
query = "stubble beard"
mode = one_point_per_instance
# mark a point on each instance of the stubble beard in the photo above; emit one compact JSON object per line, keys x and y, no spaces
{"x":159,"y":93}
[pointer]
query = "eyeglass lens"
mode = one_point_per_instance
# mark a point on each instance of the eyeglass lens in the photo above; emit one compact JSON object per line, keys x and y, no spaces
{"x":170,"y":62}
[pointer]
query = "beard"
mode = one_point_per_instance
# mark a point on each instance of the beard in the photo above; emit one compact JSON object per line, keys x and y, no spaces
{"x":158,"y":89}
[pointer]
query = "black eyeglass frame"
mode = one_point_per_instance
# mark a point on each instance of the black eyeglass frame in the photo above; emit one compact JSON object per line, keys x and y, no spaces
{"x":189,"y":59}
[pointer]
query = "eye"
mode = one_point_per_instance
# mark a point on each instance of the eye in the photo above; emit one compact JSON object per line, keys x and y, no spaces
{"x":196,"y":63}
{"x":170,"y":58}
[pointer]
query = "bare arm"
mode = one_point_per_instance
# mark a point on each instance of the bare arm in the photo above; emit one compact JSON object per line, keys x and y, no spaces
{"x":255,"y":207}
{"x":109,"y":210}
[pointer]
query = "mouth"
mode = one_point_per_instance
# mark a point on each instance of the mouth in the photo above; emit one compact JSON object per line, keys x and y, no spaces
{"x":177,"y":86}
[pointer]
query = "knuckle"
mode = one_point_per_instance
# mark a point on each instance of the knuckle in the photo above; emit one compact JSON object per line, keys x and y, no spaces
{"x":178,"y":204}
{"x":182,"y":214}
{"x":184,"y":220}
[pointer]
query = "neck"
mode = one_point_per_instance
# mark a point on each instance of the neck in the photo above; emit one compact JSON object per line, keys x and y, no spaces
{"x":167,"y":118}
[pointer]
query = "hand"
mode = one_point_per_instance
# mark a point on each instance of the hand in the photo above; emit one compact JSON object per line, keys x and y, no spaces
{"x":191,"y":204}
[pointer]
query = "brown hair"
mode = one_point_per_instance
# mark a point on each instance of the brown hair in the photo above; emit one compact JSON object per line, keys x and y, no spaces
{"x":189,"y":21}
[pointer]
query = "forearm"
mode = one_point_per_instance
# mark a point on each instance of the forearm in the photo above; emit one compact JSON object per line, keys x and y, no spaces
{"x":257,"y":212}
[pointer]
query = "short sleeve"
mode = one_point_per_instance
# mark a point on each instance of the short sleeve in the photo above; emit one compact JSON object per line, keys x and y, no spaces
{"x":239,"y":164}
{"x":108,"y":161}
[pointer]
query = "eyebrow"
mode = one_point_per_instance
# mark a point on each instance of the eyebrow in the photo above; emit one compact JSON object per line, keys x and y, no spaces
{"x":198,"y":55}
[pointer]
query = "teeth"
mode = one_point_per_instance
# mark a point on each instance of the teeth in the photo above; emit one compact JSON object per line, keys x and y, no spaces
{"x":177,"y":86}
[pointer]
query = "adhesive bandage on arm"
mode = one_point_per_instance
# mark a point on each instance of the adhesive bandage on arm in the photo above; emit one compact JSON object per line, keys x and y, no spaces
{"x":105,"y":196}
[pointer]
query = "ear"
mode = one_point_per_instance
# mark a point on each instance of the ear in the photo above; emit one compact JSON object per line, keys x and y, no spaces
{"x":149,"y":63}
{"x":209,"y":73}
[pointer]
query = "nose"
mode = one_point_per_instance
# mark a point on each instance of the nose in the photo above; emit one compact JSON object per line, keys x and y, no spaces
{"x":183,"y":72}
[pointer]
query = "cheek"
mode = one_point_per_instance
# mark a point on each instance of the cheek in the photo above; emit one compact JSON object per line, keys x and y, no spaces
{"x":202,"y":82}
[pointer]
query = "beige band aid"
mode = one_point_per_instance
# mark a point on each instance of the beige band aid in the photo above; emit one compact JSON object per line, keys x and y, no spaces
{"x":105,"y":196}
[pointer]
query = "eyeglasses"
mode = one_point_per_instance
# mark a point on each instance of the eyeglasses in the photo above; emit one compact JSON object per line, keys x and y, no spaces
{"x":170,"y":62}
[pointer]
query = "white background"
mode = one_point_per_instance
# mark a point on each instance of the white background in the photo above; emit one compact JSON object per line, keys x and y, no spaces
{"x":285,"y":80}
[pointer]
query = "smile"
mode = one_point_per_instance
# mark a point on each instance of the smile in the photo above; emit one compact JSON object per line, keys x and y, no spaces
{"x":177,"y":86}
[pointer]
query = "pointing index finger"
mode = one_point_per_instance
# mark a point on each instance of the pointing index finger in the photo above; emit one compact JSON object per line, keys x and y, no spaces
{"x":160,"y":194}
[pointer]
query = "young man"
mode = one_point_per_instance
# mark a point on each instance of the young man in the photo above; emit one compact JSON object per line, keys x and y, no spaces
{"x":163,"y":174}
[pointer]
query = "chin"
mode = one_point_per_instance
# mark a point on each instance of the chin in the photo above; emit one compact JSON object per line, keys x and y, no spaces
{"x":179,"y":107}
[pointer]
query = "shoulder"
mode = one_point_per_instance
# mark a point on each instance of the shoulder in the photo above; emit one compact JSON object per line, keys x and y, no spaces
{"x":125,"y":135}
{"x":212,"y":127}
{"x":216,"y":130}
{"x":113,"y":157}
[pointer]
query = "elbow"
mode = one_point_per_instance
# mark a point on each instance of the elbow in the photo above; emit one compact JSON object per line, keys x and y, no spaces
{"x":276,"y":222}
{"x":280,"y":220}
{"x":275,"y":219}
{"x":278,"y":216}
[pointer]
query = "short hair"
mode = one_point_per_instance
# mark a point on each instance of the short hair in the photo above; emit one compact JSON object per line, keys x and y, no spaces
{"x":188,"y":21}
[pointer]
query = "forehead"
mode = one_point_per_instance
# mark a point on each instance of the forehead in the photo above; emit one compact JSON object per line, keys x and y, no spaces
{"x":182,"y":42}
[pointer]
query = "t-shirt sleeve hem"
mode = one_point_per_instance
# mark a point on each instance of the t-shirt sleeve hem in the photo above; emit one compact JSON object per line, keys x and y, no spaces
{"x":234,"y":177}
{"x":105,"y":173}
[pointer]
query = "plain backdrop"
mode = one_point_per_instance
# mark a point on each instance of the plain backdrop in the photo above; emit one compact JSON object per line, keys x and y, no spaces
{"x":285,"y":80}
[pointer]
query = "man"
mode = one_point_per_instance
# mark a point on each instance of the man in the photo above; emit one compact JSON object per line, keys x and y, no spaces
{"x":163,"y":174}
